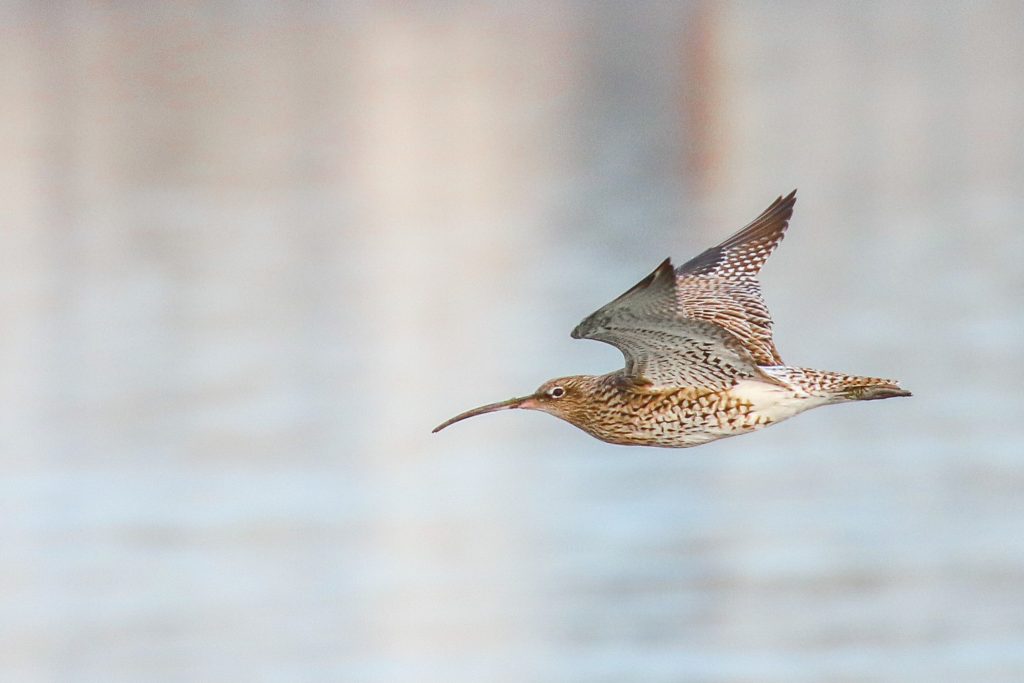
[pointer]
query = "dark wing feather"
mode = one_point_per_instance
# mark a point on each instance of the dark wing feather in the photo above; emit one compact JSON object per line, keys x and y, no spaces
{"x":747,"y":250}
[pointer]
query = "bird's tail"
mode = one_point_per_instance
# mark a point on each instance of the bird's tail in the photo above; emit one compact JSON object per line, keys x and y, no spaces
{"x":837,"y":386}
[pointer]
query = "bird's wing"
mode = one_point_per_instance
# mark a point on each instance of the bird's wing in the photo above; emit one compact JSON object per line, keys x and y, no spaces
{"x":720,"y":285}
{"x":662,"y":345}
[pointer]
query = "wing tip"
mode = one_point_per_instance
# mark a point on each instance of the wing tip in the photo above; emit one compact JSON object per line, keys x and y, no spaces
{"x":769,"y":227}
{"x":773,"y":221}
{"x":781,"y":208}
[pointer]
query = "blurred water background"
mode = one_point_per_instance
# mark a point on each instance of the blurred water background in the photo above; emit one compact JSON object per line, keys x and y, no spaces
{"x":252,"y":252}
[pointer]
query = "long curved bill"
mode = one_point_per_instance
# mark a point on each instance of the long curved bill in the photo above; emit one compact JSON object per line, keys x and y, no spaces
{"x":489,"y":408}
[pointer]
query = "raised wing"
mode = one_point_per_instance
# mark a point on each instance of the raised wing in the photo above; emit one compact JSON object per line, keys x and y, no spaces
{"x":661,"y":346}
{"x":704,"y":324}
{"x":720,"y":285}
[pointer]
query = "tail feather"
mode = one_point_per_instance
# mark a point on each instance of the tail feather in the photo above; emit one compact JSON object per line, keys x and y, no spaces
{"x":871,"y":389}
{"x":837,"y":386}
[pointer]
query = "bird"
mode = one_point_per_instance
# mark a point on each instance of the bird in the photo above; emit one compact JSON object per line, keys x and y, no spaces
{"x":700,"y":360}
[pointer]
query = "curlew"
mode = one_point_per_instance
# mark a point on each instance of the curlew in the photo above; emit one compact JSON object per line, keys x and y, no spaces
{"x":701,"y":364}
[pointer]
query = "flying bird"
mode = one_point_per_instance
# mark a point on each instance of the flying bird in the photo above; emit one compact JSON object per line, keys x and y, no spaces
{"x":701,"y":364}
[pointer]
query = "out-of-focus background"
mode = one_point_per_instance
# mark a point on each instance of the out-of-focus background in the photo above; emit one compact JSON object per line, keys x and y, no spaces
{"x":253,"y":252}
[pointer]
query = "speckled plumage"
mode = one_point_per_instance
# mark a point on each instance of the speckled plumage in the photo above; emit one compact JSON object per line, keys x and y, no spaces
{"x":700,"y":360}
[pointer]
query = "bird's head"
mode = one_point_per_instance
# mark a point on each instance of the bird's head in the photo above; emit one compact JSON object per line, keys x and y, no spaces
{"x":564,"y":397}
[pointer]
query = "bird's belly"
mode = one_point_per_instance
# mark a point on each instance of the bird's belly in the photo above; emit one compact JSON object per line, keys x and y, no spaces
{"x":772,"y":402}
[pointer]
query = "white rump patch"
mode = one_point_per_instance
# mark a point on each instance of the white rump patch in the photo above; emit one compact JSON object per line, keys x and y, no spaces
{"x":773,"y":401}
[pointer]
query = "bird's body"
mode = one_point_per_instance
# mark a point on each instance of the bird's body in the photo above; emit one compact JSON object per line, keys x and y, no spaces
{"x":621,"y":411}
{"x":700,"y":360}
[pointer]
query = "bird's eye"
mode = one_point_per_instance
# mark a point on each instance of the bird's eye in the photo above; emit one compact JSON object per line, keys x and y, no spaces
{"x":556,"y":392}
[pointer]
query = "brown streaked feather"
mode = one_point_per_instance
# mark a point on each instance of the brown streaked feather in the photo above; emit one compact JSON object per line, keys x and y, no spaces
{"x":720,"y":285}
